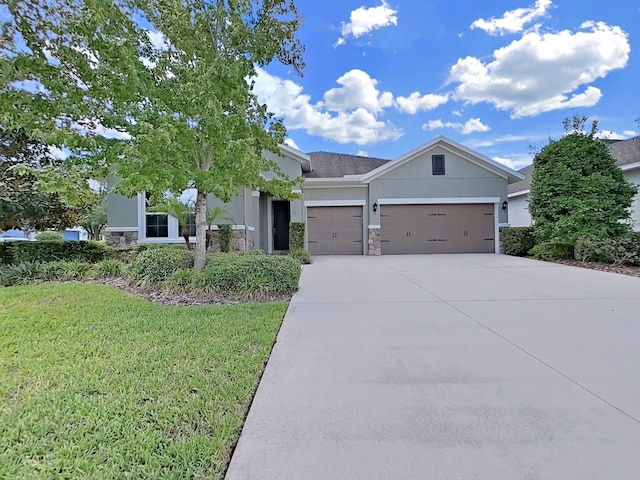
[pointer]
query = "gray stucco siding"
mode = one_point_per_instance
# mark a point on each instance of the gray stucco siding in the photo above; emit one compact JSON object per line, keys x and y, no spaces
{"x":438,"y":188}
{"x":289,"y":166}
{"x":122,"y":212}
{"x":455,"y":167}
{"x":336,"y":193}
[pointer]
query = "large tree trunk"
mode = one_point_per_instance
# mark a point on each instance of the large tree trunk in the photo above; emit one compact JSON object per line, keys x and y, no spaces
{"x":201,"y":232}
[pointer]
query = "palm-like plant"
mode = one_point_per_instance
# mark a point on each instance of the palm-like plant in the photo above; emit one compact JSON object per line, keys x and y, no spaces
{"x":180,"y":210}
{"x":214,"y":215}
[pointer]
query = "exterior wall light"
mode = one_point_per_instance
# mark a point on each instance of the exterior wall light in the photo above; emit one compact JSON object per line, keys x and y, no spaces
{"x":375,"y":207}
{"x":505,"y":204}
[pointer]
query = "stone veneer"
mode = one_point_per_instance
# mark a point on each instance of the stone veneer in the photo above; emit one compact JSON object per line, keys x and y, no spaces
{"x":374,"y":243}
{"x":500,"y":246}
{"x":121,"y":239}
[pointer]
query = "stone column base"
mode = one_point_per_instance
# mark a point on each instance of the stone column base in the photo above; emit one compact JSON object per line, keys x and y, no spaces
{"x":121,"y":239}
{"x":374,"y":243}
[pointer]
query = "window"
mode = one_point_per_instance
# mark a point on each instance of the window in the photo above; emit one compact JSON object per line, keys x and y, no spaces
{"x":190,"y":224}
{"x":157,"y":225}
{"x":437,"y":164}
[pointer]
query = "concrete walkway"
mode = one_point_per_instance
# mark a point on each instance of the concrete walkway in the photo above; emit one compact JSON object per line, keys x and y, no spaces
{"x":450,"y":367}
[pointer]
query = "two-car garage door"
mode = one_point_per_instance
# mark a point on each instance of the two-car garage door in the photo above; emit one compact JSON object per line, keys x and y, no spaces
{"x":447,"y":228}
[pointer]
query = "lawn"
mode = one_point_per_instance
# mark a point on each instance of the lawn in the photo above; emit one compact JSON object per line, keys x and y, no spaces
{"x":95,"y":383}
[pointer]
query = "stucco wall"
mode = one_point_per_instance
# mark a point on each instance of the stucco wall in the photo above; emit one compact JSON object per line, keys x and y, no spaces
{"x":634,"y":176}
{"x":415,"y":180}
{"x":289,"y":166}
{"x":335,"y":193}
{"x":122,"y":211}
{"x":519,"y":211}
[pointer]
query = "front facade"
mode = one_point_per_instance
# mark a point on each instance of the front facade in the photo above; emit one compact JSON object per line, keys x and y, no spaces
{"x":439,"y":198}
{"x":627,"y":155}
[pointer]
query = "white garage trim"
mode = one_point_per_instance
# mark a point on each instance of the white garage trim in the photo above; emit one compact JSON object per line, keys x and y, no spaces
{"x":428,"y":201}
{"x":335,"y":203}
{"x":375,"y":227}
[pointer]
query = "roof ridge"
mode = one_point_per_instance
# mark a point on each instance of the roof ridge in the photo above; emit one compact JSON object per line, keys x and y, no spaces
{"x":348,"y":155}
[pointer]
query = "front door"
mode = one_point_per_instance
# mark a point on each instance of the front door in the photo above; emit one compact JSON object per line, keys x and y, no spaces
{"x":281,"y":220}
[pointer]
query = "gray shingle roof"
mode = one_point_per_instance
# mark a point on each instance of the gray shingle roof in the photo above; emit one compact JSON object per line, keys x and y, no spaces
{"x":624,"y":151}
{"x":335,"y":165}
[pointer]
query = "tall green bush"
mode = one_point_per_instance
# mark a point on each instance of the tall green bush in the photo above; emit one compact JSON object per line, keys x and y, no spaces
{"x":225,"y":237}
{"x":517,"y":240}
{"x":296,"y":236}
{"x":577,"y":189}
{"x":6,"y":256}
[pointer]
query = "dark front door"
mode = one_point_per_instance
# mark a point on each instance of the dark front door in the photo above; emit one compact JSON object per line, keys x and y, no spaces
{"x":281,"y":220}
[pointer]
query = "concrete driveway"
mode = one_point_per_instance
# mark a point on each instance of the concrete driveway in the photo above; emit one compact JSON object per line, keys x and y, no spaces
{"x":450,"y":367}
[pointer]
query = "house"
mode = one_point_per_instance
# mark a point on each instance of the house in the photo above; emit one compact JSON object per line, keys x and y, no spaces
{"x":441,"y":197}
{"x":627,"y":155}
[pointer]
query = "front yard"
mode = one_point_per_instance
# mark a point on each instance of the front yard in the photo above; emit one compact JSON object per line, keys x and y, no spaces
{"x":95,"y":383}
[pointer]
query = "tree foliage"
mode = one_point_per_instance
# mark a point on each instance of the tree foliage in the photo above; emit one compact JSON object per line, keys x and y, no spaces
{"x":157,"y":92}
{"x":577,"y":188}
{"x":25,"y":202}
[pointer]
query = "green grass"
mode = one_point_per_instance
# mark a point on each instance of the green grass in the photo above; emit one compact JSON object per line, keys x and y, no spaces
{"x":95,"y":383}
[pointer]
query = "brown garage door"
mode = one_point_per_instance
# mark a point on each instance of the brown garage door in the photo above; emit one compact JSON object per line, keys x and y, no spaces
{"x":335,"y":230}
{"x":460,"y":228}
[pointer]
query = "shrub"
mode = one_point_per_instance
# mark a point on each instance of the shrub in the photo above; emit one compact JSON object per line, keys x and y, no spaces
{"x":248,"y":276}
{"x":225,"y":236}
{"x":550,"y":251}
{"x":517,"y":240}
{"x":74,"y":270}
{"x":125,"y":254}
{"x":156,"y":264}
{"x":49,"y":236}
{"x":51,"y":251}
{"x":618,"y":250}
{"x":296,"y":236}
{"x":6,"y":256}
{"x":21,"y":273}
{"x":110,"y":268}
{"x":179,"y":281}
{"x":302,"y":256}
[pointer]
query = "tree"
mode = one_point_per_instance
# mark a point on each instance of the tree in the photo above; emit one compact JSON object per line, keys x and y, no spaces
{"x":95,"y":218}
{"x":577,"y":188}
{"x":163,"y":115}
{"x":25,"y":202}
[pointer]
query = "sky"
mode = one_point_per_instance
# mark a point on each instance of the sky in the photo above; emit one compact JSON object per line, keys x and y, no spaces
{"x":382,"y":77}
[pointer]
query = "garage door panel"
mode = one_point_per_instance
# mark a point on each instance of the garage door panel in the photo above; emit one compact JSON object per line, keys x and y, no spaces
{"x":335,"y":230}
{"x":442,"y":228}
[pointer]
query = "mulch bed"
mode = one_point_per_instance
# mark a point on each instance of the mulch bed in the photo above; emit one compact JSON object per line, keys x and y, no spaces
{"x":631,"y":270}
{"x":183,"y":299}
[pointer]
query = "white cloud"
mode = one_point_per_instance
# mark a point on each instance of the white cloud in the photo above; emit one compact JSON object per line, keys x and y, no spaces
{"x":513,"y":21}
{"x":345,"y":123}
{"x":358,"y":90}
{"x":365,"y":20}
{"x":489,"y":142}
{"x":417,"y":102}
{"x":57,"y":153}
{"x":542,"y":72}
{"x":504,"y":161}
{"x":362,"y":153}
{"x":470,"y":126}
{"x":291,"y":143}
{"x":158,"y":39}
{"x":610,"y":135}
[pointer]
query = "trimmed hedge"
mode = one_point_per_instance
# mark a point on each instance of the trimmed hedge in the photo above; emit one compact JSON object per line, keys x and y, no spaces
{"x":244,"y":276}
{"x":517,"y":240}
{"x":49,"y":236}
{"x":52,"y":251}
{"x":5,"y":254}
{"x":296,"y":236}
{"x":550,"y":251}
{"x":225,"y":237}
{"x":154,"y":265}
{"x":302,"y":256}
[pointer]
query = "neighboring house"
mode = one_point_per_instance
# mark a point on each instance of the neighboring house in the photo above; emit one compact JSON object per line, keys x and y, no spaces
{"x":76,"y":233}
{"x":438,"y":198}
{"x":627,"y":155}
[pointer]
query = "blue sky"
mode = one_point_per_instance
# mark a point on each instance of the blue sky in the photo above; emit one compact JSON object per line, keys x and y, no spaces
{"x":383,"y":77}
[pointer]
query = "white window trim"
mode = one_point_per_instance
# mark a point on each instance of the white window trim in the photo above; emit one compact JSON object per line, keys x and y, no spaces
{"x":440,"y":201}
{"x":335,"y":203}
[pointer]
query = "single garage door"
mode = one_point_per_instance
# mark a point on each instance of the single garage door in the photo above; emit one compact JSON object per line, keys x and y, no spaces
{"x":458,"y":228}
{"x":335,"y":230}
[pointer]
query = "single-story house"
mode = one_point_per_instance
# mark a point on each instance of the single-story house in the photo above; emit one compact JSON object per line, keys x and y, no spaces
{"x":627,"y":155}
{"x":441,"y":197}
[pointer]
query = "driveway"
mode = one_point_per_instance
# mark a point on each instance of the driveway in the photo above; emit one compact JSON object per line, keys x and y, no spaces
{"x":450,"y":367}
